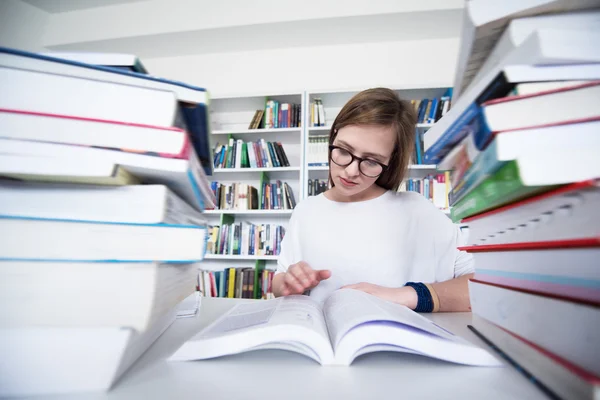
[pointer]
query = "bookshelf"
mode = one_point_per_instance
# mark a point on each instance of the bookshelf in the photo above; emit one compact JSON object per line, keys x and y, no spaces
{"x":230,"y":118}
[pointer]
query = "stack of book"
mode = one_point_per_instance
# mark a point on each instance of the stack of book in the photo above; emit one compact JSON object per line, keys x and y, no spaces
{"x":245,"y":238}
{"x":92,"y":262}
{"x":238,"y":283}
{"x":522,"y":139}
{"x":259,"y":154}
{"x":242,"y":196}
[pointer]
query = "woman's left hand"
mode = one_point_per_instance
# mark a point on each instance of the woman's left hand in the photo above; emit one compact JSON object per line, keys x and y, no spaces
{"x":406,"y":295}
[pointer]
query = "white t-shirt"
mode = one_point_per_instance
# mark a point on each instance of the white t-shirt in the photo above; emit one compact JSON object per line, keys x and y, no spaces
{"x":388,"y":241}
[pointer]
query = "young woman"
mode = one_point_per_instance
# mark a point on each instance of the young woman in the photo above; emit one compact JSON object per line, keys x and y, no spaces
{"x":362,"y":233}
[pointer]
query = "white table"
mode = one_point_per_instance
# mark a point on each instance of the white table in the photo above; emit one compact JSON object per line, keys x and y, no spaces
{"x":284,"y":375}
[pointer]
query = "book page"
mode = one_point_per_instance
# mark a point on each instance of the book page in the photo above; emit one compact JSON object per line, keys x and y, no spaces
{"x":300,"y":311}
{"x":348,"y":308}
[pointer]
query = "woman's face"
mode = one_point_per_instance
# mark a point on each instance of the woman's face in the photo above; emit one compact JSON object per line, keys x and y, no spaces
{"x":374,"y":143}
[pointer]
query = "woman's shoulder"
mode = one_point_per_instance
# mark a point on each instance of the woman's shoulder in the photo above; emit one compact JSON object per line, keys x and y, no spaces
{"x":416,"y":204}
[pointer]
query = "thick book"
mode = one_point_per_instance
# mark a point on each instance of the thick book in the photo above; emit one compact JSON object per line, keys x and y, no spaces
{"x":576,"y":136}
{"x":521,"y":65}
{"x":68,"y":129}
{"x":142,"y":204}
{"x":567,"y":213}
{"x":38,"y":239}
{"x":561,"y":377}
{"x":524,"y":177}
{"x":519,"y":29}
{"x":182,"y":175}
{"x":347,"y":325}
{"x":98,"y":294}
{"x":565,"y":328}
{"x":42,"y":361}
{"x":483,"y":25}
{"x":115,"y":60}
{"x":19,"y":59}
{"x":565,"y":273}
{"x":572,"y":103}
{"x":87,"y":98}
{"x":192,"y":101}
{"x":27,"y":168}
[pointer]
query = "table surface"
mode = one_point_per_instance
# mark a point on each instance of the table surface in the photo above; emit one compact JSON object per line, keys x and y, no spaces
{"x":270,"y":373}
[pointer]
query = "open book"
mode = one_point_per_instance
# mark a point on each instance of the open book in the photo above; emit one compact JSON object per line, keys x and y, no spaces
{"x":348,"y":324}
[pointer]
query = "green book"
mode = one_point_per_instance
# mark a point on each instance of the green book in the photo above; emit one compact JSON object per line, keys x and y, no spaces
{"x":245,"y":162}
{"x":503,"y":187}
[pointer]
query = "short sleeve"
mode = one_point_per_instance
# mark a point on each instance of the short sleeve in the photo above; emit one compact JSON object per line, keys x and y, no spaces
{"x":463,"y":261}
{"x":290,"y":245}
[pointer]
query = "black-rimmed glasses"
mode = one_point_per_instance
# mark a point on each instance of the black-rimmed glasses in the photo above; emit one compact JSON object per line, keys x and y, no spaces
{"x":367,"y":167}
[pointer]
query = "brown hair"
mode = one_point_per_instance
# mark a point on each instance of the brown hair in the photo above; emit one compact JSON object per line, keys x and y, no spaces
{"x":381,"y":106}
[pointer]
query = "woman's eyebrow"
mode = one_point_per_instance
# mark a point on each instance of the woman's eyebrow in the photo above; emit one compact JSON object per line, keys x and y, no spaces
{"x":362,"y":154}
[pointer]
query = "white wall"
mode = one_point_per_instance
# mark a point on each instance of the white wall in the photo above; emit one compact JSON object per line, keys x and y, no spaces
{"x":393,"y":64}
{"x":21,"y":25}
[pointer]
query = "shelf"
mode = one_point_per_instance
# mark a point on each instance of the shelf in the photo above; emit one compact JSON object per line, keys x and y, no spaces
{"x":257,"y":131}
{"x":424,"y":125}
{"x":319,"y":128}
{"x":249,"y":212}
{"x":238,"y":170}
{"x":238,"y":257}
{"x":318,"y":168}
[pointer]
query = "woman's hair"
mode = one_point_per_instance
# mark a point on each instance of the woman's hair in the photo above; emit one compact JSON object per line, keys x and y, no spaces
{"x":381,"y":106}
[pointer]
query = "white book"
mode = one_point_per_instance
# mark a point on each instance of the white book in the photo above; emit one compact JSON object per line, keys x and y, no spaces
{"x":43,"y":361}
{"x":93,"y":294}
{"x":238,"y":153}
{"x":68,"y":129}
{"x":86,"y":98}
{"x":184,"y":176}
{"x":567,"y":213}
{"x":569,"y":273}
{"x":141,"y":204}
{"x":128,"y":61}
{"x":561,"y":377}
{"x":347,"y":325}
{"x":48,"y":239}
{"x":50,"y":65}
{"x":573,"y":326}
{"x":519,"y":29}
{"x":484,"y":21}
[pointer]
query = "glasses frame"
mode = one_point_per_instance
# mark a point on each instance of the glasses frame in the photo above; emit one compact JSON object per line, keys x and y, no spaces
{"x":360,"y":160}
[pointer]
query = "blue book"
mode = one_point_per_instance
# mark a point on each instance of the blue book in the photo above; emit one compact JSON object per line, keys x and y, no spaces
{"x":193,"y":100}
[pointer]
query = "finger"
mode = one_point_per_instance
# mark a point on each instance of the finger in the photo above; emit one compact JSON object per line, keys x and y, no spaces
{"x":303,"y":275}
{"x":292,"y":284}
{"x":285,"y":292}
{"x":323,"y":274}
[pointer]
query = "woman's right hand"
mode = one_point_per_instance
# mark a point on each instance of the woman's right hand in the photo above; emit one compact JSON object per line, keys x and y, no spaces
{"x":299,"y":278}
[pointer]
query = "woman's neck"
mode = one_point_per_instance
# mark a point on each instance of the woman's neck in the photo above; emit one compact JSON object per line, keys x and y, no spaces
{"x":372,"y":192}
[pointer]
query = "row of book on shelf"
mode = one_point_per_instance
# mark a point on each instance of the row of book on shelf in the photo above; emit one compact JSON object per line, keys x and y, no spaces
{"x":131,"y":219}
{"x":318,"y":150}
{"x":434,"y":187}
{"x":277,"y":115}
{"x":259,"y":154}
{"x":522,"y":143}
{"x":429,"y":111}
{"x":237,"y":283}
{"x":245,"y":238}
{"x":242,"y":196}
{"x":317,"y":186}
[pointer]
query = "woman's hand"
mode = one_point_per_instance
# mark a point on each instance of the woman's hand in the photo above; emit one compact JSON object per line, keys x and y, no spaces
{"x":299,"y":278}
{"x":406,"y":295}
